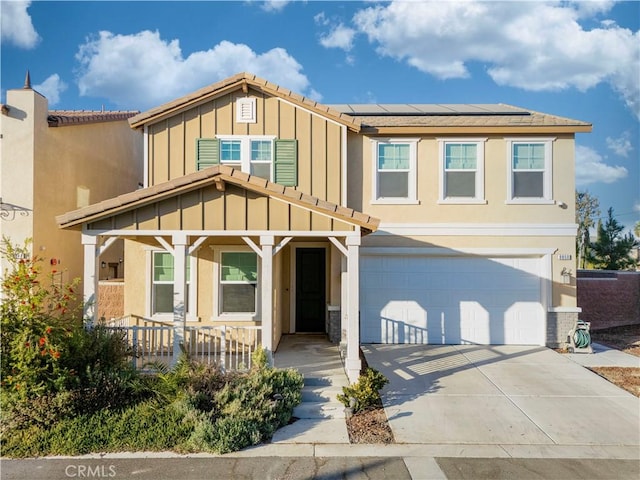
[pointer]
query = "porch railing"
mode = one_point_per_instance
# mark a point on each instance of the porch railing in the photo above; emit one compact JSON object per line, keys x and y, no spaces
{"x":228,"y":347}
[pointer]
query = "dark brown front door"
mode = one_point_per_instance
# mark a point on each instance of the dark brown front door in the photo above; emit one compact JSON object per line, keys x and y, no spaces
{"x":310,"y":289}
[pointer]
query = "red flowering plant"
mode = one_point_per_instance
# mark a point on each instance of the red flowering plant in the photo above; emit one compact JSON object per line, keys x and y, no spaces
{"x":39,"y":315}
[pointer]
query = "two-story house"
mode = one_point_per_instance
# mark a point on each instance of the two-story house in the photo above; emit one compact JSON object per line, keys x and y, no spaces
{"x":252,"y":214}
{"x":53,"y":161}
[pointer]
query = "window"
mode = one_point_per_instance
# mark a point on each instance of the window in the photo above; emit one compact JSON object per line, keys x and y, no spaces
{"x":264,"y":156}
{"x":261,"y":158}
{"x":162,"y":291}
{"x":238,"y":282}
{"x":394,"y":179}
{"x":252,"y":155}
{"x":530,"y":170}
{"x":462,"y":170}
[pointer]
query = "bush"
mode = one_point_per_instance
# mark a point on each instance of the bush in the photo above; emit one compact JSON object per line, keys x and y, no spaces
{"x":364,"y":392}
{"x":52,"y":366}
{"x":146,"y":426}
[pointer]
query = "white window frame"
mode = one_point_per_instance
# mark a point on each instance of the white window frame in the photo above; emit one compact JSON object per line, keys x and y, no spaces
{"x":547,"y":176}
{"x":218,"y":315}
{"x":412,"y":198}
{"x":479,"y":198}
{"x":191,"y":314}
{"x":245,"y":150}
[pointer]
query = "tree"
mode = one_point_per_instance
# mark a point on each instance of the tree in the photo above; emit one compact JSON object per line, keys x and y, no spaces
{"x":612,"y":249}
{"x":636,"y":229}
{"x":587,"y":209}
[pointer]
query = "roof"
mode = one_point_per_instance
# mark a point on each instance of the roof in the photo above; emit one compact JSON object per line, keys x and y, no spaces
{"x":205,"y":177}
{"x":242,"y":80}
{"x":456,"y":115}
{"x":60,"y":118}
{"x":400,"y":109}
{"x":383,"y":118}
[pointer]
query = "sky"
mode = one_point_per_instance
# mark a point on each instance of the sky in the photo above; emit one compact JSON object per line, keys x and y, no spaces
{"x":573,"y":59}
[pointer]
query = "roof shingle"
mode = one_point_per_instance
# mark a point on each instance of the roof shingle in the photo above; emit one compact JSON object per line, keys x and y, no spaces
{"x":60,"y":118}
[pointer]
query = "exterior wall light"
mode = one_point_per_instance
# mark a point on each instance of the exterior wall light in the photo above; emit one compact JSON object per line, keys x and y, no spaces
{"x":566,"y":276}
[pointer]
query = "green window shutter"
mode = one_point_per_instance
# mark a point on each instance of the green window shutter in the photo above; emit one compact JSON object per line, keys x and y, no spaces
{"x":207,"y":152}
{"x":286,"y":162}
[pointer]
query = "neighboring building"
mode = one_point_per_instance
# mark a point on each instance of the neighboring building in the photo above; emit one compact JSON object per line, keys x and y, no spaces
{"x":56,"y":161}
{"x":251,"y":215}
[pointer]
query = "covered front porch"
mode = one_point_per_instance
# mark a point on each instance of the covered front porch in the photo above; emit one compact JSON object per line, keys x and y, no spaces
{"x":223,"y":251}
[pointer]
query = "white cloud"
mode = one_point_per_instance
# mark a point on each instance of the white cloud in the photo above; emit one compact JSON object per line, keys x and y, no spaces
{"x":530,"y":45}
{"x":51,"y":88}
{"x":321,"y":19}
{"x":590,"y":8}
{"x":274,"y":5}
{"x":591,"y":168}
{"x":339,"y":37}
{"x":621,"y":145}
{"x":17,"y":27}
{"x":636,"y":207}
{"x":143,"y":70}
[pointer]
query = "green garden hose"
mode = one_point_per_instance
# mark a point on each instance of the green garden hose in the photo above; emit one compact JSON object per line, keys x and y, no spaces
{"x":581,"y":338}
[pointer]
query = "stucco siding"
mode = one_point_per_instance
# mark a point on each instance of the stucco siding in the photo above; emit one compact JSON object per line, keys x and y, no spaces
{"x":51,"y":170}
{"x":496,"y":210}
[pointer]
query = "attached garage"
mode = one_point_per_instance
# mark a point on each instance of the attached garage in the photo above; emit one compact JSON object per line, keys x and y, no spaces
{"x":452,"y":300}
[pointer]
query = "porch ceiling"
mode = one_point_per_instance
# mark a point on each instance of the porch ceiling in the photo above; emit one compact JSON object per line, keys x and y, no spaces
{"x":218,"y":198}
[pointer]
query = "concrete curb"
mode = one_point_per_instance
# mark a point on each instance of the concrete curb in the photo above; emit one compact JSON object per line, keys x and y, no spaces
{"x":621,"y":452}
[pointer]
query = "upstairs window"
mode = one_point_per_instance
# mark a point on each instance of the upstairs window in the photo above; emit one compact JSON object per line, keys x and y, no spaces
{"x":263,"y":156}
{"x":462,"y":171}
{"x":394,"y":179}
{"x":530,"y":164}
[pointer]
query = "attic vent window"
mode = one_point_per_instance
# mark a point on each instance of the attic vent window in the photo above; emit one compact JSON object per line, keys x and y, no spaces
{"x":246,"y":110}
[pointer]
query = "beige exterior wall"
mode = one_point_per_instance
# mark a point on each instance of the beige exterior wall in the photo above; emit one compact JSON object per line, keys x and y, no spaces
{"x":52,"y":170}
{"x":319,"y":140}
{"x":360,"y":182}
{"x":496,"y":211}
{"x":137,"y":298}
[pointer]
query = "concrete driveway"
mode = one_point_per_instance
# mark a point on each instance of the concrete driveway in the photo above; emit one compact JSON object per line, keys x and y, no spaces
{"x":521,"y":398}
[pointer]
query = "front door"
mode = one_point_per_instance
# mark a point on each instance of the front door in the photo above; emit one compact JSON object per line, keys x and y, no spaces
{"x":310,"y":289}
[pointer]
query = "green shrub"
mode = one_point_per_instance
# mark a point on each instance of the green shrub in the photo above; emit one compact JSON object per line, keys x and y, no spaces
{"x":365,"y":391}
{"x":52,"y":366}
{"x":146,"y":426}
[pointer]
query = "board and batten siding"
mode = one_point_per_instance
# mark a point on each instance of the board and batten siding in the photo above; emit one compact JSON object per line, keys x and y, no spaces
{"x":172,"y":141}
{"x":207,"y":208}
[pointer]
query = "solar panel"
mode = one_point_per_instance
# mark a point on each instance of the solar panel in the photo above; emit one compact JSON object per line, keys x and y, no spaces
{"x":428,"y":109}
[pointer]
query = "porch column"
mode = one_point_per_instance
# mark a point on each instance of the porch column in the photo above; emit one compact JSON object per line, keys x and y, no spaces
{"x":353,"y":364}
{"x":266,"y":288}
{"x":90,"y":279}
{"x":179,"y":241}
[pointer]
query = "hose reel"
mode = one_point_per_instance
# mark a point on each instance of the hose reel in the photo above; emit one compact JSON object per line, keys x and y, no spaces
{"x":579,"y":338}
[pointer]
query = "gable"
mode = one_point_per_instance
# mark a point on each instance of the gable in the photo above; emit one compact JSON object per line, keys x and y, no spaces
{"x":174,"y":142}
{"x":217,"y":199}
{"x":240,"y":82}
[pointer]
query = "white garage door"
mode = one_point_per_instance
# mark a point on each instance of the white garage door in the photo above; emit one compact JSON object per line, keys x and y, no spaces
{"x":445,"y":300}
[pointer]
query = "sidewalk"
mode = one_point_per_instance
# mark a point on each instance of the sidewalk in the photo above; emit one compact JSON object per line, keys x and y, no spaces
{"x":604,"y":356}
